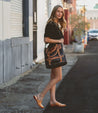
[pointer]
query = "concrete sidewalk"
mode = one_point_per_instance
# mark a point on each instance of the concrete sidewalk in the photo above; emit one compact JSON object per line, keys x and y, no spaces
{"x":18,"y":98}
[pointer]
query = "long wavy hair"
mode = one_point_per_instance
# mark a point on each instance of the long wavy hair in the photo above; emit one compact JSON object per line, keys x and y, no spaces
{"x":62,"y":21}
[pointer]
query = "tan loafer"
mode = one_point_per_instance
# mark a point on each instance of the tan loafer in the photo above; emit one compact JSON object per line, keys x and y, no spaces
{"x":38,"y":102}
{"x":58,"y":104}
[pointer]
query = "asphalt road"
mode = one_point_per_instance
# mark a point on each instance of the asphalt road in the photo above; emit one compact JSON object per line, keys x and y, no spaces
{"x":79,"y":88}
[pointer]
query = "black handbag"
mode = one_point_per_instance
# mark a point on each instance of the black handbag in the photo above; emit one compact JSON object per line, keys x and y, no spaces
{"x":54,"y":56}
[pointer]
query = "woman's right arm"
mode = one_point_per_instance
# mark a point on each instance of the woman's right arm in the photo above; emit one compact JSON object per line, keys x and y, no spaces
{"x":49,"y":40}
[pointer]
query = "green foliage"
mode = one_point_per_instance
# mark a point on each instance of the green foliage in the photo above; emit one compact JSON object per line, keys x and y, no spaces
{"x":78,"y":25}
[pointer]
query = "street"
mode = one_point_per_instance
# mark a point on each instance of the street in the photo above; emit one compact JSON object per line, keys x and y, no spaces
{"x":79,"y":88}
{"x":18,"y":96}
{"x":25,"y":27}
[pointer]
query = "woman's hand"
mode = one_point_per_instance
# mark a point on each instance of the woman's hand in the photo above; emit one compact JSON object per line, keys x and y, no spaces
{"x":61,"y":40}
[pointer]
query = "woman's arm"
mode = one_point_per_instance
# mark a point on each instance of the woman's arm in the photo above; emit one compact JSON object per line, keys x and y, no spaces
{"x":49,"y":40}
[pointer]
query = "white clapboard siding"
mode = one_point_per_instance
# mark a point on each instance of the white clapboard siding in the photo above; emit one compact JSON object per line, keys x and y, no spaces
{"x":16,"y":18}
{"x":1,"y":46}
{"x":0,"y":20}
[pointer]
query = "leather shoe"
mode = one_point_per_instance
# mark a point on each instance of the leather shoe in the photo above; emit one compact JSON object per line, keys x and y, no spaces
{"x":38,"y":102}
{"x":58,"y":104}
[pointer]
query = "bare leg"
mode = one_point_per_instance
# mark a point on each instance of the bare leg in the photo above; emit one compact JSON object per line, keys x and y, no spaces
{"x":52,"y":90}
{"x":53,"y":101}
{"x":56,"y":76}
{"x":52,"y":82}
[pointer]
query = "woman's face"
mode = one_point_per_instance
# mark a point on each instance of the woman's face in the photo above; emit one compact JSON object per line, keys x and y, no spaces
{"x":59,"y":13}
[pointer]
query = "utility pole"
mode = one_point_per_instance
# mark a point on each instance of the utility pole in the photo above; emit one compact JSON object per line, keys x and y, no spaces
{"x":84,"y":18}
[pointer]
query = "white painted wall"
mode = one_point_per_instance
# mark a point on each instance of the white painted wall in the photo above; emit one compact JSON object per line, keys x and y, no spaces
{"x":6,"y":20}
{"x":11,"y":19}
{"x":1,"y":20}
{"x":1,"y":47}
{"x":92,"y":14}
{"x":30,"y":20}
{"x":56,"y":2}
{"x":42,"y":17}
{"x":44,"y":8}
{"x":16,"y":54}
{"x":16,"y":18}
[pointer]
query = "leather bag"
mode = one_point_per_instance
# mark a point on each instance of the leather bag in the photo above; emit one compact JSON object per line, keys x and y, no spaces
{"x":54,"y":56}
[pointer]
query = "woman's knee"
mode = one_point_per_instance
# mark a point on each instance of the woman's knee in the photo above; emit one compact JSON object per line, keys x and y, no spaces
{"x":59,"y":78}
{"x":56,"y":79}
{"x":57,"y":74}
{"x":52,"y":75}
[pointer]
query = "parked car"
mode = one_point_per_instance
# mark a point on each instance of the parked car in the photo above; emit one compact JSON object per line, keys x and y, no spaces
{"x":93,"y":34}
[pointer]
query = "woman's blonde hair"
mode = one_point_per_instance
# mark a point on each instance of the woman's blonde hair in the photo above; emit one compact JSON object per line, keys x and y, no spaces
{"x":62,"y":21}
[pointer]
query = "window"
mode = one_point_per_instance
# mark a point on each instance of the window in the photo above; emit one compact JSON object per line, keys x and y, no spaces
{"x":93,"y":31}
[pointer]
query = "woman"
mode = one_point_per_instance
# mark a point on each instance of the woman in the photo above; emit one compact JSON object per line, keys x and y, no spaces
{"x":52,"y":36}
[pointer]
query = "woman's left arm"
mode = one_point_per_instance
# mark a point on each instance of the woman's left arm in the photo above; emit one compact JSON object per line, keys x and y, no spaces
{"x":49,"y":40}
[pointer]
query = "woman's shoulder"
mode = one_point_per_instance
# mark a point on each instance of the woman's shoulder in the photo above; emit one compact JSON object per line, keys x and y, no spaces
{"x":50,"y":25}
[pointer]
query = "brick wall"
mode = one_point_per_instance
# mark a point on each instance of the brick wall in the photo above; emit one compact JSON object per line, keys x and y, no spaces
{"x":93,"y":24}
{"x":92,"y":16}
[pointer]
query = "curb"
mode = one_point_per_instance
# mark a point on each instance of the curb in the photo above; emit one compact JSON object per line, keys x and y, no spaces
{"x":15,"y":79}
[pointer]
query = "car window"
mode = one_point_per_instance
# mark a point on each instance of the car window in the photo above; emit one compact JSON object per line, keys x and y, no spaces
{"x":94,"y":31}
